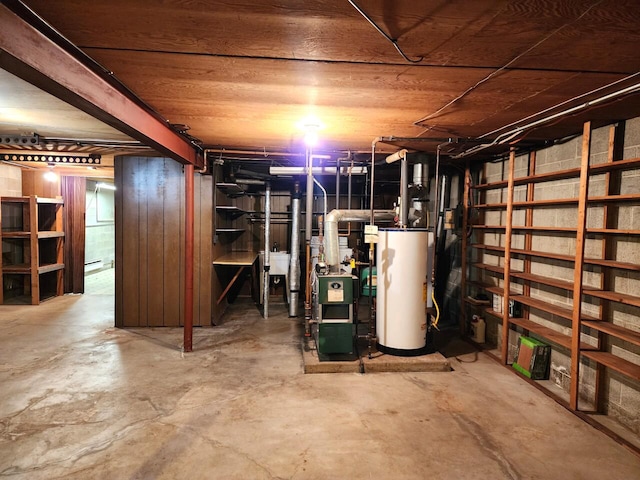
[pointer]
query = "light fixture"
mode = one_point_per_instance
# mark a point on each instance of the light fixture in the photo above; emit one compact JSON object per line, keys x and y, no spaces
{"x":50,"y":175}
{"x":310,"y":126}
{"x":105,"y":186}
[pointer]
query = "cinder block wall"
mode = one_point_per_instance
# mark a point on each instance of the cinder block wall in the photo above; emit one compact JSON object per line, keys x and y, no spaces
{"x":10,"y":181}
{"x":100,"y":227}
{"x":621,"y":395}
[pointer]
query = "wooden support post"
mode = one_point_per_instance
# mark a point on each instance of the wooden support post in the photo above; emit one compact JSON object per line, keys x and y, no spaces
{"x":528,"y":236}
{"x":34,"y":250}
{"x":578,"y":267}
{"x":188,"y":253}
{"x":609,"y":220}
{"x":507,"y":259}
{"x":465,"y":243}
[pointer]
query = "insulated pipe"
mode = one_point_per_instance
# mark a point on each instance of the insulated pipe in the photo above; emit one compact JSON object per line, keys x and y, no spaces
{"x":188,"y":254}
{"x":404,"y":185}
{"x":267,"y":249}
{"x":332,"y":250}
{"x":294,"y":248}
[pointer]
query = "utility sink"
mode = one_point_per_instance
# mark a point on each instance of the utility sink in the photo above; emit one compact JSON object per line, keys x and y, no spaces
{"x":278,"y":265}
{"x":278,"y":261}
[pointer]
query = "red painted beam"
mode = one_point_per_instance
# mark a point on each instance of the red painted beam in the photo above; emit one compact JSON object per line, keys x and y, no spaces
{"x":188,"y":261}
{"x":36,"y":57}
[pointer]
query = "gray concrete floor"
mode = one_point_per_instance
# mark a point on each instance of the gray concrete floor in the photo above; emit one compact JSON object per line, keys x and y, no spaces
{"x":80,"y":399}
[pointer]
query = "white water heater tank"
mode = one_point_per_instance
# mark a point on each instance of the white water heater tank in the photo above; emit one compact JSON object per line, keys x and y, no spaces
{"x":403,"y":263}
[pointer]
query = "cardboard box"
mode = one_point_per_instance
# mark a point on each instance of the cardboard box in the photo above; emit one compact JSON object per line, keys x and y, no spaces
{"x":532,"y":358}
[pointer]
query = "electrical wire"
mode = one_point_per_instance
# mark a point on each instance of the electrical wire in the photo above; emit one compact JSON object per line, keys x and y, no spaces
{"x":504,"y":67}
{"x":394,"y":41}
{"x":434,"y":322}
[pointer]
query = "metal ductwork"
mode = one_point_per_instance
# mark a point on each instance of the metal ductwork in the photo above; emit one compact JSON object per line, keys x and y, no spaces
{"x":332,"y":250}
{"x":419,"y":193}
{"x":294,"y":260}
{"x":404,"y":185}
{"x":267,"y":240}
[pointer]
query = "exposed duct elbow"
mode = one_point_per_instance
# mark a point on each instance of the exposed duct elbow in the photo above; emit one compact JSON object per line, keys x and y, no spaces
{"x":332,"y":247}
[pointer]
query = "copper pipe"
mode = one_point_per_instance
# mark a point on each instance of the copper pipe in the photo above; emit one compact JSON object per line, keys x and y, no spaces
{"x":188,"y":254}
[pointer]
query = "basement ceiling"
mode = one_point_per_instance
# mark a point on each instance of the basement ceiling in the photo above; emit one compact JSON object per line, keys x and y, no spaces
{"x":247,"y":74}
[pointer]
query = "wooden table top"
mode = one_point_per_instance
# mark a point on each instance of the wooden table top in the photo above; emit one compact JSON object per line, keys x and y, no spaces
{"x":238,"y":259}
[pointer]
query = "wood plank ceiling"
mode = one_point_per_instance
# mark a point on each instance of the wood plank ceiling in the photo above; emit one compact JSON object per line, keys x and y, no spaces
{"x":245,"y":73}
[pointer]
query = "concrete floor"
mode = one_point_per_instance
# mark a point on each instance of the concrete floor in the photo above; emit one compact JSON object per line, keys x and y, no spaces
{"x":80,"y":399}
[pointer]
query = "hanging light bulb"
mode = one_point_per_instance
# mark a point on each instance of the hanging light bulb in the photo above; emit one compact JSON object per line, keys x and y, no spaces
{"x":51,"y":176}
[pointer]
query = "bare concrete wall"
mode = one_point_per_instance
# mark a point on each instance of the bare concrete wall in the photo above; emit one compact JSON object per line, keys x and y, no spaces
{"x":621,"y":395}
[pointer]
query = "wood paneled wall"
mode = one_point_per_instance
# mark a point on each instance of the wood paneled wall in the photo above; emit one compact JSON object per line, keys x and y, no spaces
{"x":34,"y":183}
{"x":150,"y":244}
{"x":74,"y":192}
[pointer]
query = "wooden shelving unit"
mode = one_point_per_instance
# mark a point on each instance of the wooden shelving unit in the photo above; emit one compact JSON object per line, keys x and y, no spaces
{"x":569,"y":317}
{"x":32,"y":239}
{"x":226,"y":215}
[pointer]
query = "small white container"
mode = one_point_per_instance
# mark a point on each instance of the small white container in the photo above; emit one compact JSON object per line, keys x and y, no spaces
{"x":478,"y":329}
{"x":497,"y":303}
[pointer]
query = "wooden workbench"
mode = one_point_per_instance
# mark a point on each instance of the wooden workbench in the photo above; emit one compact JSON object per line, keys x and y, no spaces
{"x":240,"y":260}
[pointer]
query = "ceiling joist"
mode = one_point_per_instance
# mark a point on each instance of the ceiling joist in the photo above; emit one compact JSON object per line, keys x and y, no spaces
{"x":28,"y":53}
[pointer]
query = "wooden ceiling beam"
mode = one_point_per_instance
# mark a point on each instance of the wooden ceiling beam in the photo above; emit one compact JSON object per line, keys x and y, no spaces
{"x":34,"y":56}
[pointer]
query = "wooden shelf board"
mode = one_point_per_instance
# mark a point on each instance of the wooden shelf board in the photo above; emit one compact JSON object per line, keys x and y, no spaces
{"x":615,"y":363}
{"x":549,"y":334}
{"x":533,"y":253}
{"x":489,"y":227}
{"x":560,"y":201}
{"x":563,"y":174}
{"x":552,"y":282}
{"x":14,"y":199}
{"x":618,"y":165}
{"x":230,"y":211}
{"x":613,"y":264}
{"x":229,"y":208}
{"x":562,"y":312}
{"x":493,"y":313}
{"x":51,"y":267}
{"x":546,"y":203}
{"x":490,"y":268}
{"x":16,"y":234}
{"x":18,"y":300}
{"x":491,"y":248}
{"x":231,"y":189}
{"x":615,"y":198}
{"x":490,"y":206}
{"x":496,"y":290}
{"x":48,"y":234}
{"x":615,"y":330}
{"x":614,"y":296}
{"x":491,"y":185}
{"x":477,"y":303}
{"x":21,"y":269}
{"x":548,"y":176}
{"x":49,"y":201}
{"x":612,"y":231}
{"x":530,"y":228}
{"x":569,"y":258}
